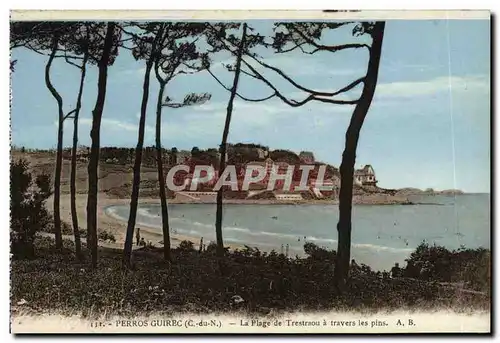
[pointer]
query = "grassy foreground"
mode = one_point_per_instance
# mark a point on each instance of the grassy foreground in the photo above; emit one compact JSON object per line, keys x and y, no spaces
{"x":268,"y":283}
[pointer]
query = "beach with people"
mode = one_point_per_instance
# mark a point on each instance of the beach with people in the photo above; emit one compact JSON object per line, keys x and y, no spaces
{"x":389,"y":233}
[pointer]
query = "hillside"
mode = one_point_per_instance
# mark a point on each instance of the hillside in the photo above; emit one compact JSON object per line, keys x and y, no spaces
{"x":115,"y":170}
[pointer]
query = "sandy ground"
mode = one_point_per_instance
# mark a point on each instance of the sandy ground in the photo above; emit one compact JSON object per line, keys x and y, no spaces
{"x":115,"y":226}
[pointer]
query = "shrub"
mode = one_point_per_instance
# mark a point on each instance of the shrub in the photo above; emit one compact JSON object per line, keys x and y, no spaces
{"x":83,"y":233}
{"x":471,"y":266}
{"x":317,"y":253}
{"x":211,"y":248}
{"x":186,"y":246}
{"x":105,"y":236}
{"x":247,"y":254}
{"x":27,"y":207}
{"x":66,"y":229}
{"x":429,"y":262}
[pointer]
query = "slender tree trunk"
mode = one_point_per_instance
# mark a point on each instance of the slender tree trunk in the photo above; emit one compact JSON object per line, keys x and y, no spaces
{"x":57,"y":176}
{"x":173,"y":161}
{"x":74,"y":214}
{"x":344,"y":225}
{"x":161,"y":179}
{"x":223,"y":148}
{"x":95,"y":145}
{"x":134,"y":199}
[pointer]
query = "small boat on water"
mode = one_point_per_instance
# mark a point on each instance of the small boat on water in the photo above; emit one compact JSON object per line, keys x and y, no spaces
{"x":274,"y":217}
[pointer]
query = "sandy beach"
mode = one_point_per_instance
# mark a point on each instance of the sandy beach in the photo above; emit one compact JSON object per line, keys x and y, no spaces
{"x":112,"y":225}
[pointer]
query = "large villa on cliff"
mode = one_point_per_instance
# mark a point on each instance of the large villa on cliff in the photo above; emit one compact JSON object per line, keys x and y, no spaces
{"x":365,"y":176}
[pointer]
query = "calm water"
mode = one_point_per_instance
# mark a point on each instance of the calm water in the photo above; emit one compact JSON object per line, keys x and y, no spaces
{"x":381,"y":235}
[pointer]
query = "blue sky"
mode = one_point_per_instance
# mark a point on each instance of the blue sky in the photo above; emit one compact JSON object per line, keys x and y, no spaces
{"x":428,"y":126}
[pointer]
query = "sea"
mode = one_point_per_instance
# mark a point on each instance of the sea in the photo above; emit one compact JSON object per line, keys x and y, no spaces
{"x":381,"y":234}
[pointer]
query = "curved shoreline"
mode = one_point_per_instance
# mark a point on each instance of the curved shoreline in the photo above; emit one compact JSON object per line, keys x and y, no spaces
{"x":379,"y":199}
{"x":118,"y":227}
{"x":111,"y":224}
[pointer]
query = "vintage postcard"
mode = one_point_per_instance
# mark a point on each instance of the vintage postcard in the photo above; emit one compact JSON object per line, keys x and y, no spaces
{"x":250,"y":172}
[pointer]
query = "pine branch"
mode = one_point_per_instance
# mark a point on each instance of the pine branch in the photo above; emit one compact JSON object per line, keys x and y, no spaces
{"x":305,"y":89}
{"x":237,"y":94}
{"x":295,"y":103}
{"x":189,"y":100}
{"x":69,"y":114}
{"x":331,"y":48}
{"x":314,"y":94}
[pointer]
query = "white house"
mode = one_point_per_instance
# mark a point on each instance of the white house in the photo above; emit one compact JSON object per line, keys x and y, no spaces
{"x":365,"y":176}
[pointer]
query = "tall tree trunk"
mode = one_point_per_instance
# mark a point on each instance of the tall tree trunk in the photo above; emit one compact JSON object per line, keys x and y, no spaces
{"x":95,"y":145}
{"x":127,"y":251}
{"x":161,"y":179}
{"x":223,"y":148}
{"x":74,"y":214}
{"x":57,"y":176}
{"x":344,"y":225}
